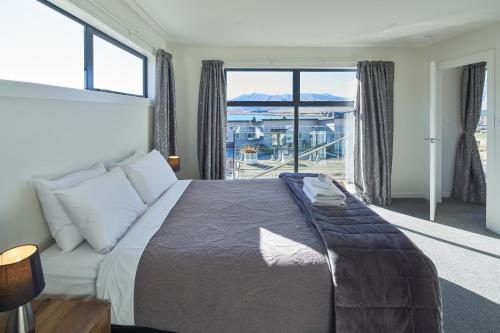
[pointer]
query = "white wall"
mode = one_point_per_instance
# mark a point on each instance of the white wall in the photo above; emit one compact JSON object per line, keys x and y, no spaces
{"x":49,"y":131}
{"x":477,"y":41}
{"x":452,"y":129}
{"x":409,"y":168}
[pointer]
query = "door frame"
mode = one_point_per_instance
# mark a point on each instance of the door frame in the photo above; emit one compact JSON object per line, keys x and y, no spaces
{"x":434,"y":152}
{"x":492,"y":222}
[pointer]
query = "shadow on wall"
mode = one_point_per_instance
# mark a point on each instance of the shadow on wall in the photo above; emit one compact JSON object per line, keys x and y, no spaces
{"x":465,"y":311}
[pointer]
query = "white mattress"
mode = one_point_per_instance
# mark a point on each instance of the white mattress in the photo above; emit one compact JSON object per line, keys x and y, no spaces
{"x":70,"y":274}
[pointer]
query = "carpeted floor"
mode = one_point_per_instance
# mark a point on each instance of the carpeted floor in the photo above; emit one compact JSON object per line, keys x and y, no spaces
{"x":467,"y":257}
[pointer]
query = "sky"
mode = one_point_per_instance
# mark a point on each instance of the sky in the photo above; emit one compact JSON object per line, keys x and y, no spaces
{"x":274,"y":83}
{"x":40,"y":45}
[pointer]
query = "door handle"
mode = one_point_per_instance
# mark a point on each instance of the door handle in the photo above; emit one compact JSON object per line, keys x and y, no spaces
{"x":432,"y":140}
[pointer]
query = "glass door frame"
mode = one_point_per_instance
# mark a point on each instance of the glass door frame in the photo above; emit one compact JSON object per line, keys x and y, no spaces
{"x":296,"y":103}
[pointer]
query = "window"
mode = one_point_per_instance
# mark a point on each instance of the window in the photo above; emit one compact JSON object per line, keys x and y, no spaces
{"x":116,"y":69}
{"x":40,"y":45}
{"x":295,"y":120}
{"x":43,"y":44}
{"x":328,"y":86}
{"x":259,"y":86}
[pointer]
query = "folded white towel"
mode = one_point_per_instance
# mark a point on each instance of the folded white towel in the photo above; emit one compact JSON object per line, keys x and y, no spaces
{"x":316,"y":191}
{"x":323,"y":201}
{"x":325,"y":178}
{"x":315,"y":181}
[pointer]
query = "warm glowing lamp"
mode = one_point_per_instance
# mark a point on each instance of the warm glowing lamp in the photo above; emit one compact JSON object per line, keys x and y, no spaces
{"x":174,"y":162}
{"x":21,"y":280}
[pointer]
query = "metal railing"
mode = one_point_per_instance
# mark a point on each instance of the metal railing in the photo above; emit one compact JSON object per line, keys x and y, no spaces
{"x":303,"y":154}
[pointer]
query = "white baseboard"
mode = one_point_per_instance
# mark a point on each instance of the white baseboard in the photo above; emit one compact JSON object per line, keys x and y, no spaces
{"x":417,"y":195}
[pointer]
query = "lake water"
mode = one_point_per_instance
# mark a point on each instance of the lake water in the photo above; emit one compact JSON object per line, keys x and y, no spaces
{"x":259,"y":117}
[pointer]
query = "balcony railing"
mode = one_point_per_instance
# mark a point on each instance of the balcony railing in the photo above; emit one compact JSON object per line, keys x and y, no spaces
{"x":301,"y":155}
{"x":319,"y":159}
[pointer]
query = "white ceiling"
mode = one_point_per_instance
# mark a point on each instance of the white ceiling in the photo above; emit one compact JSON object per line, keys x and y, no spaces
{"x":314,"y":22}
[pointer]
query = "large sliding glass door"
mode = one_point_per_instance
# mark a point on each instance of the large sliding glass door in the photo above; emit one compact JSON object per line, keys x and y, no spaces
{"x":288,"y":120}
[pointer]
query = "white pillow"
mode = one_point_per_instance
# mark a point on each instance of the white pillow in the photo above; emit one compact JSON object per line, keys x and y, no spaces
{"x":151,"y":176}
{"x":132,"y":158}
{"x":64,"y":232}
{"x":102,"y":208}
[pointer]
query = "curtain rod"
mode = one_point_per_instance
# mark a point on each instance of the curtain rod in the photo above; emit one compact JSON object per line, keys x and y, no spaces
{"x":310,"y":61}
{"x":118,"y":21}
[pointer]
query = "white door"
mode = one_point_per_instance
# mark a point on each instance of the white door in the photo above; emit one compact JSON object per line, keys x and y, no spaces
{"x":433,"y":141}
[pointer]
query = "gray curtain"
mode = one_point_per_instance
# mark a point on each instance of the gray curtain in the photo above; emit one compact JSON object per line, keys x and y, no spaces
{"x":373,"y":131}
{"x":164,"y":136}
{"x":212,"y":120}
{"x":469,"y":183}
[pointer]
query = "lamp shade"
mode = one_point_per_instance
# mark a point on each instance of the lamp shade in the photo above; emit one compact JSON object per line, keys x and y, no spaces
{"x":174,"y":162}
{"x":21,"y":276}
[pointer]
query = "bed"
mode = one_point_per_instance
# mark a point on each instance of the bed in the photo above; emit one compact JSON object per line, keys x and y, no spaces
{"x":71,"y":275}
{"x":255,"y":256}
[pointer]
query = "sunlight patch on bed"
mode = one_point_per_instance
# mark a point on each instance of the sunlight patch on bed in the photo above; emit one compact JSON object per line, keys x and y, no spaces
{"x":280,"y":250}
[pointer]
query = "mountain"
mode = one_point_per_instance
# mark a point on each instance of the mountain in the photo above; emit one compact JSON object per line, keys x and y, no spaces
{"x":259,"y":97}
{"x":323,"y":97}
{"x":313,"y":97}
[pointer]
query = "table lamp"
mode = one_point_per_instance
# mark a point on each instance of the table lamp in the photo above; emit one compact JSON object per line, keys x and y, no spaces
{"x":174,"y":162}
{"x":21,"y":280}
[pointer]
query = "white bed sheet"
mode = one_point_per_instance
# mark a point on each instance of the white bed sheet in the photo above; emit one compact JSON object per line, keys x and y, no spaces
{"x":70,"y":274}
{"x":116,"y":274}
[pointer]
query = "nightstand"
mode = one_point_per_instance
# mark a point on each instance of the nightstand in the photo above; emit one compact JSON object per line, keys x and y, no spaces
{"x":59,"y":316}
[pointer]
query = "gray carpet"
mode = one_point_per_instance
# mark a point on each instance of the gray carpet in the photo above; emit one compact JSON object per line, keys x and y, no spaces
{"x":467,"y":257}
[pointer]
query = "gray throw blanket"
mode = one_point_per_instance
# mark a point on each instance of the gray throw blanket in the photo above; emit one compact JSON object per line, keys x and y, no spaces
{"x":234,"y":256}
{"x":382,"y":281}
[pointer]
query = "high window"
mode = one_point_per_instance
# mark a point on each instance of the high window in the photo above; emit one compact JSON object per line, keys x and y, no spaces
{"x":43,"y":44}
{"x":289,"y":120}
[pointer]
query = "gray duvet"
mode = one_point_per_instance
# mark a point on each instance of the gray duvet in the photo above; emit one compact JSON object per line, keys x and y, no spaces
{"x":234,"y":256}
{"x":383,"y":282}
